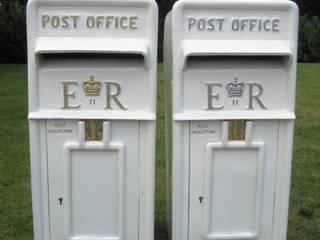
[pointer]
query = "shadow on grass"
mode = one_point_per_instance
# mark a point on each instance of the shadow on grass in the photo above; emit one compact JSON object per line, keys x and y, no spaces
{"x":161,"y":230}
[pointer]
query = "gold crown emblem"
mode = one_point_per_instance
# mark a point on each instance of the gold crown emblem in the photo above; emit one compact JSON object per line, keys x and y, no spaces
{"x":91,"y":87}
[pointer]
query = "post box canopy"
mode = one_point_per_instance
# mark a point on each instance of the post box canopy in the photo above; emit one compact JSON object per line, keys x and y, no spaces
{"x":233,"y":59}
{"x":92,"y":59}
{"x":234,"y":48}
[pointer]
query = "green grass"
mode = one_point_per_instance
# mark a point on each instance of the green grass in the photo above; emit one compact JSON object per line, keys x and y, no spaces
{"x":15,"y":203}
{"x":304,"y":220}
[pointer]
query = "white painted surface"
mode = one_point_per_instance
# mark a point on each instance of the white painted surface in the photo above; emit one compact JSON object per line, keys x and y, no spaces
{"x":94,"y":192}
{"x":216,"y":71}
{"x":93,"y":181}
{"x":236,"y":172}
{"x":101,"y":190}
{"x":128,"y":74}
{"x":79,"y":38}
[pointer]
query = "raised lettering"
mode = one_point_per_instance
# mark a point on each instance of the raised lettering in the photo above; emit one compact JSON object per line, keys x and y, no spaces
{"x":244,"y":24}
{"x":133,"y":22}
{"x":253,"y":23}
{"x":67,"y":95}
{"x":45,"y":20}
{"x":255,"y":96}
{"x":113,"y":96}
{"x":90,"y":22}
{"x":201,"y":24}
{"x":212,"y":96}
{"x":220,"y":21}
{"x":235,"y":25}
{"x":99,"y":21}
{"x":192,"y":22}
{"x":109,"y":21}
{"x":75,"y":21}
{"x":55,"y":21}
{"x":267,"y":25}
{"x":124,"y":22}
{"x":65,"y":22}
{"x":211,"y":26}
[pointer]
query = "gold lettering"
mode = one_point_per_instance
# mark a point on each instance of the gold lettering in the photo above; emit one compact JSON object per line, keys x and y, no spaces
{"x":55,"y":21}
{"x":75,"y":21}
{"x":90,"y":22}
{"x":122,"y":22}
{"x":67,"y":95}
{"x":275,"y":25}
{"x":133,"y":22}
{"x":113,"y":96}
{"x":45,"y":20}
{"x":99,"y":21}
{"x":65,"y":22}
{"x":117,"y":22}
{"x":109,"y":21}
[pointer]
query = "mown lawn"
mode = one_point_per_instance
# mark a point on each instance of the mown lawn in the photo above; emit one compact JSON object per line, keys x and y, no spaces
{"x":15,"y":203}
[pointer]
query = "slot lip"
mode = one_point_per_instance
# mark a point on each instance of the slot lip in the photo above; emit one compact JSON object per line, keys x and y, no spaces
{"x":235,"y":48}
{"x":92,"y":61}
{"x":216,"y":63}
{"x":94,"y":46}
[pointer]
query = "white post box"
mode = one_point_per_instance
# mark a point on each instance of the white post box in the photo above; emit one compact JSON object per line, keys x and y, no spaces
{"x":92,"y":102}
{"x":231,"y":71}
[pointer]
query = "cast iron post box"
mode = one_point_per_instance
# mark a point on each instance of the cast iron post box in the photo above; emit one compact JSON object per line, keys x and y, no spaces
{"x":231,"y":71}
{"x":92,"y":102}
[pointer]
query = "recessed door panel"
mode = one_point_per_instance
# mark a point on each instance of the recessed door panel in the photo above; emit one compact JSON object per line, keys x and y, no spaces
{"x":232,"y":183}
{"x":94,"y":186}
{"x":232,"y":191}
{"x":91,"y":184}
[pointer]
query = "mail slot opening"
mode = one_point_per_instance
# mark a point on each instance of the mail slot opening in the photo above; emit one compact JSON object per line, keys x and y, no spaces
{"x":238,"y":62}
{"x":112,"y":60}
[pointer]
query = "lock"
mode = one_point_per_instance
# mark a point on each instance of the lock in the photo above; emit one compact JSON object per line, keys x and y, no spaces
{"x":94,"y":130}
{"x":237,"y":130}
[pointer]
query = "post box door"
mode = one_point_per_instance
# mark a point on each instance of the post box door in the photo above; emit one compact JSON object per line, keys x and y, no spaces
{"x":92,"y":187}
{"x":232,"y":184}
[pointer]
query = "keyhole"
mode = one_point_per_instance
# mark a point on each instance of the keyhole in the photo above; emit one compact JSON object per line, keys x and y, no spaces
{"x":60,"y":201}
{"x":201,"y":199}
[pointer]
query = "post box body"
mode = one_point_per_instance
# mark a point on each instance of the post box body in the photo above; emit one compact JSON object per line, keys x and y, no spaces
{"x":92,"y":111}
{"x":231,"y":77}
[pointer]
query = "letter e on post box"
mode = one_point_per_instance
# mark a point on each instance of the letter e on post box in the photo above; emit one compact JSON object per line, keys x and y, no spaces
{"x":231,"y":79}
{"x":92,"y":112}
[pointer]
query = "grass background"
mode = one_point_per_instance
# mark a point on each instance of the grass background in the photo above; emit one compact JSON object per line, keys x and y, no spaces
{"x":15,"y":196}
